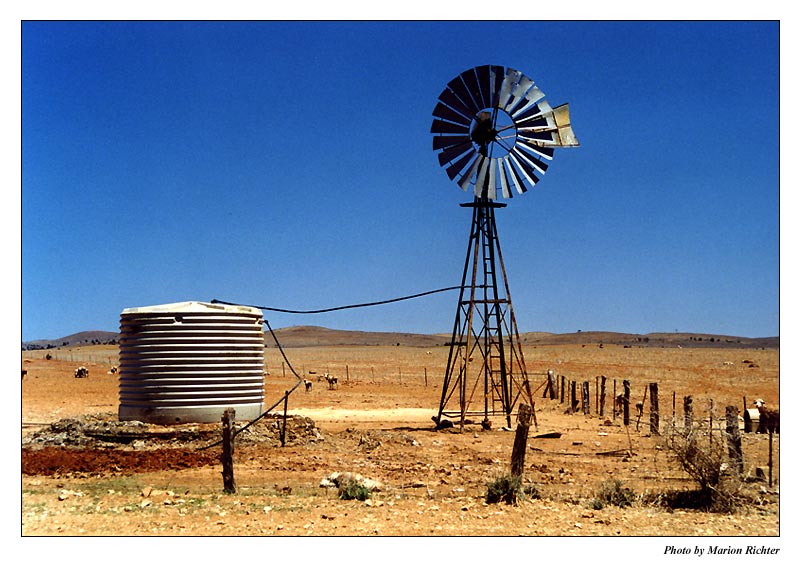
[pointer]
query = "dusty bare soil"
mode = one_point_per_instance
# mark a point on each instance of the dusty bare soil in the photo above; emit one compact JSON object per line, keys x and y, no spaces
{"x":83,"y":473}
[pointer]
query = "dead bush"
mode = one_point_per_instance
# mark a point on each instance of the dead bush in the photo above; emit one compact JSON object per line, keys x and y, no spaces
{"x":702,"y":455}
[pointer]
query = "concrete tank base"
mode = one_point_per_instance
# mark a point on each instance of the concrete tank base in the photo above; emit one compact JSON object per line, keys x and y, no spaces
{"x":168,"y":416}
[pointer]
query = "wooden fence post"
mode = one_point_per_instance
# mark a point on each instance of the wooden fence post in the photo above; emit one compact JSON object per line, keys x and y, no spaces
{"x":710,"y":422}
{"x":426,"y":376}
{"x":283,"y":428}
{"x":626,"y":411}
{"x":573,"y":397}
{"x":614,"y":402}
{"x":597,"y":393}
{"x":734,"y":438}
{"x":602,"y":395}
{"x":520,"y":440}
{"x":585,"y":398}
{"x":654,"y":428}
{"x":563,"y":388}
{"x":769,"y":462}
{"x":688,"y":415}
{"x":228,"y":482}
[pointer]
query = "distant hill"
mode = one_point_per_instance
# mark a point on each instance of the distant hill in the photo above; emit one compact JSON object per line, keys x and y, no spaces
{"x":304,"y":336}
{"x":78,"y":339}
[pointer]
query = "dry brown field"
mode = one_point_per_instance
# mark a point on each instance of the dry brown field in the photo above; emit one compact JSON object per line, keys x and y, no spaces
{"x":377,"y":423}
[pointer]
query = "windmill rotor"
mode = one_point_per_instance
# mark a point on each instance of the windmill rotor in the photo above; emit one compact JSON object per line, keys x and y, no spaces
{"x":494,"y":131}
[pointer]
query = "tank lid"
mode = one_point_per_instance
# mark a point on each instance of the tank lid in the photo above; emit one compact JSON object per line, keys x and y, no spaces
{"x":193,"y":307}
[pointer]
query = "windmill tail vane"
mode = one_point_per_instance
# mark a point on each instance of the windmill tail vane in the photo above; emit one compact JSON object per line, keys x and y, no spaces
{"x":494,"y":133}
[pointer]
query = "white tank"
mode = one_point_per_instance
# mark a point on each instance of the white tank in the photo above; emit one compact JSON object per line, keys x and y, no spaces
{"x":188,"y":362}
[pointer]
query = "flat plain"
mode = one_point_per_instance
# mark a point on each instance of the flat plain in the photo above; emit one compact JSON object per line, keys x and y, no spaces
{"x":377,"y":423}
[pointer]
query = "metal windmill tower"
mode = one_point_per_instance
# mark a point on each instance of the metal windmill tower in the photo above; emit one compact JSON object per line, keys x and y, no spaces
{"x":492,"y":127}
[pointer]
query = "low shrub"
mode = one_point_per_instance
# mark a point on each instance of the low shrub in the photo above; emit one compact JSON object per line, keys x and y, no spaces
{"x":611,"y":492}
{"x":354,"y":490}
{"x":510,"y":490}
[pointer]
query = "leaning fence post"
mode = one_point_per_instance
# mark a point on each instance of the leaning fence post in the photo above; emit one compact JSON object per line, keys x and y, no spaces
{"x":228,"y":483}
{"x":734,"y":438}
{"x":520,"y":440}
{"x":283,"y":428}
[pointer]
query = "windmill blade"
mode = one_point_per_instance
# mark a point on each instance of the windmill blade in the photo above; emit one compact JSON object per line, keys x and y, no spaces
{"x":454,"y":152}
{"x":447,"y":113}
{"x":509,"y":81}
{"x":480,"y":181}
{"x":473,"y":88}
{"x":541,"y":151}
{"x":533,"y":97}
{"x":451,"y":100}
{"x":530,"y":111}
{"x":460,"y":90}
{"x":538,"y":151}
{"x":493,"y":164}
{"x":442,"y":127}
{"x":441,"y":142}
{"x":459,"y":165}
{"x":501,"y":166}
{"x":518,"y":93}
{"x":496,"y":79}
{"x":525,"y":170}
{"x":529,"y":162}
{"x":519,"y":184}
{"x":538,"y":124}
{"x":484,"y":75}
{"x":467,"y":178}
{"x":541,"y":138}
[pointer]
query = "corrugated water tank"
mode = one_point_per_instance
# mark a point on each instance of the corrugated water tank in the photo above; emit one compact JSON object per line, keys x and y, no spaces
{"x":188,"y":362}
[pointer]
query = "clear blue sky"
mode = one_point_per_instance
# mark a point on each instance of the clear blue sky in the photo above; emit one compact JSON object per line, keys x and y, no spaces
{"x":290,"y":165}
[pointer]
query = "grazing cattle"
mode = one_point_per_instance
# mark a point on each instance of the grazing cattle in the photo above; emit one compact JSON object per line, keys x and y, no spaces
{"x":768,"y":419}
{"x":113,"y":370}
{"x":619,"y":403}
{"x":81,"y":372}
{"x":308,"y":384}
{"x":333,"y":382}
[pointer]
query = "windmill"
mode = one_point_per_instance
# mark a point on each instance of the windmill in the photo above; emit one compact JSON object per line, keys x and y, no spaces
{"x":492,"y":128}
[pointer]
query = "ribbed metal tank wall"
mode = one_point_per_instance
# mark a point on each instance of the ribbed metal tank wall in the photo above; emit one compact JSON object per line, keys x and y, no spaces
{"x":188,"y":362}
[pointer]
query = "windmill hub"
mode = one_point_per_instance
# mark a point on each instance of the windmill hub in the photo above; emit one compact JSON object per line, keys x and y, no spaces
{"x":493,"y":132}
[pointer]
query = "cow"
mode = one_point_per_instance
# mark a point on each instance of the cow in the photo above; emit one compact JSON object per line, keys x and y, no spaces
{"x":81,"y":372}
{"x":308,"y":384}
